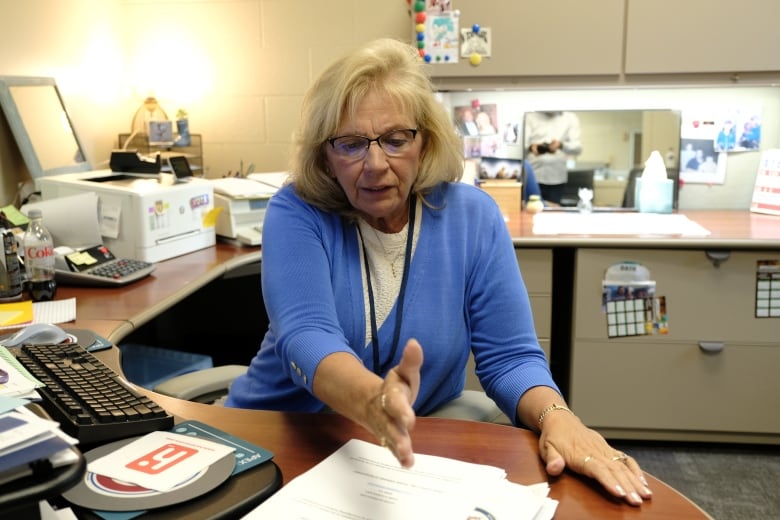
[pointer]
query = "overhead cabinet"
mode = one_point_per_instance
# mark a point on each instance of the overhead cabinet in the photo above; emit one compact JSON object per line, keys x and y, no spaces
{"x":567,"y":37}
{"x":702,"y":36}
{"x":612,"y":40}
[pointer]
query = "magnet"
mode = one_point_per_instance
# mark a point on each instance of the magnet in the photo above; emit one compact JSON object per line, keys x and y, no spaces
{"x":475,"y":28}
{"x":475,"y":59}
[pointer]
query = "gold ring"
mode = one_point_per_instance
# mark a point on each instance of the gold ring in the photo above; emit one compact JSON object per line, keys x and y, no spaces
{"x":587,"y":459}
{"x":383,"y":401}
{"x":621,"y":458}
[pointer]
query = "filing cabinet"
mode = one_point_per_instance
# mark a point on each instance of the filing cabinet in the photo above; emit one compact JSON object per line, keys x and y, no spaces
{"x":712,"y":377}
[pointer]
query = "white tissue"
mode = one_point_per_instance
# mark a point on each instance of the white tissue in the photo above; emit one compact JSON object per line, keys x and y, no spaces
{"x":653,"y":191}
{"x":655,"y":169}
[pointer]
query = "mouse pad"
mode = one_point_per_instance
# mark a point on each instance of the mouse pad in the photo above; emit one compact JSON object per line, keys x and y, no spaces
{"x":86,"y":338}
{"x":102,"y":493}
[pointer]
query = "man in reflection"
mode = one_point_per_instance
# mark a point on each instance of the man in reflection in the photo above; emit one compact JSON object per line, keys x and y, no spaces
{"x":551,"y":138}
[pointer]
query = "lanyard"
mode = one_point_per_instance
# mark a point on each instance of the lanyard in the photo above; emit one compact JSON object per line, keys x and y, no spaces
{"x":401,"y":292}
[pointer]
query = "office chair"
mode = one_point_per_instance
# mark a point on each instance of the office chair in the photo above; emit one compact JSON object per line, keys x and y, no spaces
{"x":207,"y":386}
{"x":210,"y":386}
{"x":576,"y":179}
{"x":629,"y":193}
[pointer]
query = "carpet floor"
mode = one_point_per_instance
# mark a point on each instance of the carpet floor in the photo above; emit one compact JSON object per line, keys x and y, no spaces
{"x":729,"y":482}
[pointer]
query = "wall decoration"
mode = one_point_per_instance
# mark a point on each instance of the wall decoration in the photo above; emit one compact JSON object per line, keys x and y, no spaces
{"x":475,"y":41}
{"x":629,"y":301}
{"x":766,"y":193}
{"x":768,"y":289}
{"x":708,"y":135}
{"x":441,"y":37}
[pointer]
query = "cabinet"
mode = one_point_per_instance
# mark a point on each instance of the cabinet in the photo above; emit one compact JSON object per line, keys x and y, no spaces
{"x":669,"y":36}
{"x":537,"y":39}
{"x":667,"y":387}
{"x":193,"y":152}
{"x":536,"y":268}
{"x":609,"y":192}
{"x":614,"y":41}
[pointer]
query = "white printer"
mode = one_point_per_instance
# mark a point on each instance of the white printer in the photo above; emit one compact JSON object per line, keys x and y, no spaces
{"x":141,"y":217}
{"x":243,"y":202}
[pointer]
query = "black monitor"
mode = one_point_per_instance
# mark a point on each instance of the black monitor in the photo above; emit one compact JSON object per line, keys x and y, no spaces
{"x":41,"y":126}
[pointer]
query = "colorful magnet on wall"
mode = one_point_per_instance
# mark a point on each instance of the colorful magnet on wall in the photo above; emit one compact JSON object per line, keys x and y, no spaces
{"x":475,"y":59}
{"x":419,"y":18}
{"x":420,"y":44}
{"x":420,"y":36}
{"x":420,"y":28}
{"x":419,"y":6}
{"x":475,"y":28}
{"x":427,"y":57}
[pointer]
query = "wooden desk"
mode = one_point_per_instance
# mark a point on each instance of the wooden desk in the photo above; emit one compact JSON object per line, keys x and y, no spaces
{"x":115,"y":312}
{"x":301,"y":440}
{"x":728,"y":229}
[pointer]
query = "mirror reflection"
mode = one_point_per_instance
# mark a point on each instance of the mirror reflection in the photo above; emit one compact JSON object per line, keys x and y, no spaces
{"x":603,"y":150}
{"x":613,"y":147}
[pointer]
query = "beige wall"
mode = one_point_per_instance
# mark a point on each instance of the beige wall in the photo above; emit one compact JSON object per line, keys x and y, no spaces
{"x":239,"y":67}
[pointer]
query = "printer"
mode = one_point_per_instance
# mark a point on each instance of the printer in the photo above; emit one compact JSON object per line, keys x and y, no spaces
{"x":243,"y":202}
{"x":141,"y":217}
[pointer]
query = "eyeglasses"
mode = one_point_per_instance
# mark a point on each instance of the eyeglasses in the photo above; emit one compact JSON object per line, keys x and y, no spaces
{"x":393,"y":143}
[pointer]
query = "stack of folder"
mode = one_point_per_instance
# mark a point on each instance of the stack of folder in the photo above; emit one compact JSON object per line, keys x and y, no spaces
{"x":29,"y":443}
{"x":27,"y":439}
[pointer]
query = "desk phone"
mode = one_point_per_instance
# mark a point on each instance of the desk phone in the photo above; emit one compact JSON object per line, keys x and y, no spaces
{"x":97,"y":266}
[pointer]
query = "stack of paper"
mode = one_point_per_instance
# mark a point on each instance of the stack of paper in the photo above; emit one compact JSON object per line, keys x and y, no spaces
{"x":26,"y":438}
{"x":15,"y":380}
{"x":13,"y":315}
{"x":363,"y":480}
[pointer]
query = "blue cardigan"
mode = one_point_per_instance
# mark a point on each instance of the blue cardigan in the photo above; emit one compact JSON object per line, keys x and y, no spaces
{"x":465,"y":291}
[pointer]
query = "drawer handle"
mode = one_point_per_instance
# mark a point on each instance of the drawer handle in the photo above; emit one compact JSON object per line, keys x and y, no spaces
{"x":717,"y":257}
{"x":712,"y":347}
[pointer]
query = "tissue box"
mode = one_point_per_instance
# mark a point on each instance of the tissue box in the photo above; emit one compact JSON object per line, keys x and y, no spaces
{"x":654,"y":196}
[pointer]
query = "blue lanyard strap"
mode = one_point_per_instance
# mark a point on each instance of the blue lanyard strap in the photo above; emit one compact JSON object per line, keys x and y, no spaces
{"x":378,"y":369}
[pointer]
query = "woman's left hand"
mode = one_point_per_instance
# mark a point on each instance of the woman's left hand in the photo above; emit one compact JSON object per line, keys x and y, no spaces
{"x":566,"y":441}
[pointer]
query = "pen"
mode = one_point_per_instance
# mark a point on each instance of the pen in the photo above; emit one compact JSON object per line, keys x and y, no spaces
{"x":3,"y":376}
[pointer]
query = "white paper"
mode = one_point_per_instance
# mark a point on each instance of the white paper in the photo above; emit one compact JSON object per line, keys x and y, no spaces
{"x":17,"y":385}
{"x":72,"y":220}
{"x":555,"y":223}
{"x":160,"y":460}
{"x":239,"y":188}
{"x":273,"y":179}
{"x":363,"y":480}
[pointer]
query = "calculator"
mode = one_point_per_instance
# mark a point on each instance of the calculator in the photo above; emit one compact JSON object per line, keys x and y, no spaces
{"x":98,"y":267}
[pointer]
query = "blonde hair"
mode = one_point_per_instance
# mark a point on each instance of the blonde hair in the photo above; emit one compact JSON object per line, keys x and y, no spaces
{"x":390,"y":67}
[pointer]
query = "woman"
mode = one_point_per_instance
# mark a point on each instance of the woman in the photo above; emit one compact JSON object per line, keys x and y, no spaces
{"x":381,"y":273}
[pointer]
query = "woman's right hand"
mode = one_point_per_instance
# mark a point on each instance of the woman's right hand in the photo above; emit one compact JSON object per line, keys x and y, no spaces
{"x":393,"y":414}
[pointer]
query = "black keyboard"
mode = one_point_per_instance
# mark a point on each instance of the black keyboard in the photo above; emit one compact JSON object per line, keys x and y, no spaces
{"x":89,"y":400}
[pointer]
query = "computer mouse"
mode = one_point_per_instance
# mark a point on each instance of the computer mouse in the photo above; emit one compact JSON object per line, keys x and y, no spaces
{"x":37,"y":333}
